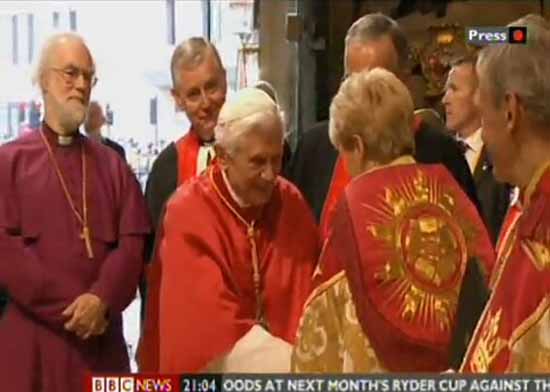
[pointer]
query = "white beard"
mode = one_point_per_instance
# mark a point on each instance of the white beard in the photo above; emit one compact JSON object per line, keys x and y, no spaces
{"x":71,"y":114}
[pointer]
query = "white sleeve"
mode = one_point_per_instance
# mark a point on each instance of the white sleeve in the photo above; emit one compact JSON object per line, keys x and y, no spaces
{"x":256,"y":352}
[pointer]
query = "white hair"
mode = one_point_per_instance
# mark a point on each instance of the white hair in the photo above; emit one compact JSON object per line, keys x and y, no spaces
{"x":523,"y":69}
{"x":46,"y":52}
{"x":241,"y":115}
{"x":267,"y":88}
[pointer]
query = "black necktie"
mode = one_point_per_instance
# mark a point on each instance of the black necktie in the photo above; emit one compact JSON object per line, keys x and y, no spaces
{"x":464,"y":147}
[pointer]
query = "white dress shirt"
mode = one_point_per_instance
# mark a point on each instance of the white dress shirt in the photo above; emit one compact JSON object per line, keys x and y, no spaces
{"x":204,"y":157}
{"x":475,"y":145}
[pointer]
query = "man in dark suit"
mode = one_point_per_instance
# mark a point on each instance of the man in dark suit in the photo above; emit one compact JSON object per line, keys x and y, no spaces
{"x":375,"y":40}
{"x":463,"y":118}
{"x":94,"y":121}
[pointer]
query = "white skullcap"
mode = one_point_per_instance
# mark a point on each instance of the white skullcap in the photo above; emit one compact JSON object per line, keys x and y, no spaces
{"x":246,"y":102}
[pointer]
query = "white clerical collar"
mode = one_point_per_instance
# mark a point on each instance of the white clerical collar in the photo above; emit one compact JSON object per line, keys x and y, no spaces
{"x":204,"y":157}
{"x":65,"y":140}
{"x":474,"y":141}
{"x":234,"y":196}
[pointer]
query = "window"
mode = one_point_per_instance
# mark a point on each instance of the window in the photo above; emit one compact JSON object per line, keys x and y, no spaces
{"x":4,"y":123}
{"x":72,"y":20}
{"x":15,"y":39}
{"x":233,"y":32}
{"x":30,"y":37}
{"x":55,"y":20}
{"x":171,"y":21}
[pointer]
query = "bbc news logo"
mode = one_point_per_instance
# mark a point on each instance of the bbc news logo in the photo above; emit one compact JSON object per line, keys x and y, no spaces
{"x":132,"y":383}
{"x":496,"y":35}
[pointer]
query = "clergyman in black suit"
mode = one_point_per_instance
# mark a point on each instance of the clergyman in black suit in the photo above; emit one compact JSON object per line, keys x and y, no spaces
{"x":463,"y":118}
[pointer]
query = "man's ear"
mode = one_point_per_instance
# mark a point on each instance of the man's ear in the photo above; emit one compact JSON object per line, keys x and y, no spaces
{"x":43,"y":82}
{"x":224,"y":80}
{"x":513,"y":111}
{"x":358,"y":148}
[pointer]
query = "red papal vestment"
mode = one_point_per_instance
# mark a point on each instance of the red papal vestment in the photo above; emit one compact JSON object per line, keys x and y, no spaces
{"x":204,"y":287}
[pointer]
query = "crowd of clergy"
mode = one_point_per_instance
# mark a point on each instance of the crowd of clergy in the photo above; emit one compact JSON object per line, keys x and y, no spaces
{"x":387,"y":243}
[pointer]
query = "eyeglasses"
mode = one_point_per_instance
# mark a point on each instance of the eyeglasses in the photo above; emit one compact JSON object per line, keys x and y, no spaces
{"x":195,"y":95}
{"x":71,"y":74}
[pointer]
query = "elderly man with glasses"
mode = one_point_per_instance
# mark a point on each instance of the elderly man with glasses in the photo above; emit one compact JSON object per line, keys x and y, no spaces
{"x":72,"y":230}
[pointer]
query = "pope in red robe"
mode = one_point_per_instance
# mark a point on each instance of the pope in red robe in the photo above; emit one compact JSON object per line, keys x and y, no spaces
{"x":226,"y":268}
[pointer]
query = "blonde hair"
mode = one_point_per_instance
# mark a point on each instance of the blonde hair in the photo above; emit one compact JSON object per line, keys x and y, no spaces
{"x":376,"y":106}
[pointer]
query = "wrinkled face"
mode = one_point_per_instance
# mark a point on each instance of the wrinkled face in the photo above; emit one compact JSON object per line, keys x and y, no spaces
{"x":365,"y":56}
{"x":462,"y":115}
{"x":66,"y":83}
{"x":253,"y":166}
{"x":201,"y":94}
{"x":95,"y":118}
{"x":496,"y":135}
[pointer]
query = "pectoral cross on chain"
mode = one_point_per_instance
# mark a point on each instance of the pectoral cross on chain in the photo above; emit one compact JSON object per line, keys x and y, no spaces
{"x":85,"y":235}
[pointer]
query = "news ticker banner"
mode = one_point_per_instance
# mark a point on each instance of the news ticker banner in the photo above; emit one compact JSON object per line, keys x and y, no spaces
{"x":448,"y":382}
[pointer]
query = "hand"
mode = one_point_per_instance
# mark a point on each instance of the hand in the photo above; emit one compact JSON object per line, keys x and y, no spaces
{"x":87,"y":316}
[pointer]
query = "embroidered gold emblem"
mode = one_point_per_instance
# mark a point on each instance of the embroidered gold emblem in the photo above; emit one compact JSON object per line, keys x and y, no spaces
{"x":427,"y":250}
{"x":489,"y":344}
